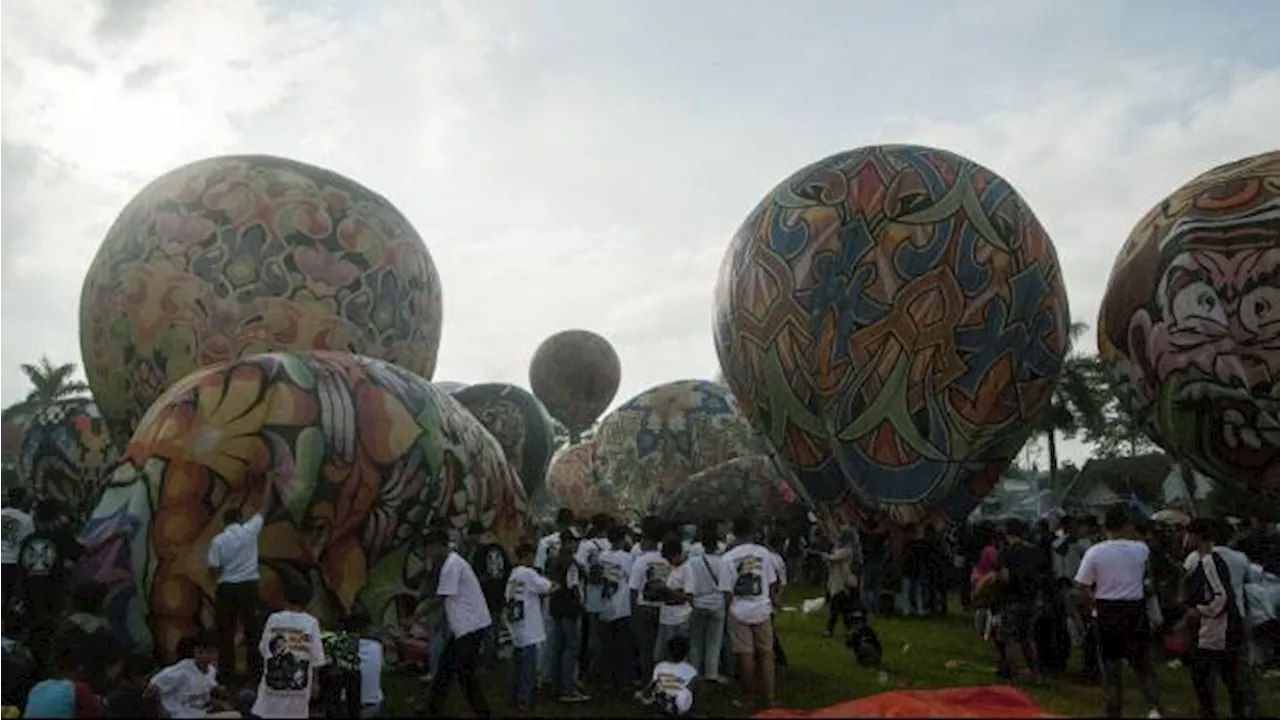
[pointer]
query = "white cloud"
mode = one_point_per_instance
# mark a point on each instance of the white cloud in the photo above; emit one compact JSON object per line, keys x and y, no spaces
{"x":583,"y":167}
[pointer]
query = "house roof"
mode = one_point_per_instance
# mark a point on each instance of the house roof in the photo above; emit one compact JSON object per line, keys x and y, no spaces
{"x":1141,"y":476}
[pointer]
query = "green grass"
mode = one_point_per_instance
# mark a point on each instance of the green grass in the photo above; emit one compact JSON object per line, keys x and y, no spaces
{"x":920,"y":653}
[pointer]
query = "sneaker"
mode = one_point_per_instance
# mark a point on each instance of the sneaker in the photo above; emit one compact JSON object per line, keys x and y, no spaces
{"x":573,"y":697}
{"x":1154,"y":714}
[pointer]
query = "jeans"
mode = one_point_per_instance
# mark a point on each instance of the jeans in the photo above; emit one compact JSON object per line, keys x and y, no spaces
{"x":840,"y":608}
{"x":439,"y":639}
{"x":232,"y":603}
{"x":565,"y":639}
{"x":706,"y":635}
{"x":593,"y":667}
{"x":916,"y":595}
{"x":1235,"y":675}
{"x":872,"y":583}
{"x":665,"y":634}
{"x":524,"y":673}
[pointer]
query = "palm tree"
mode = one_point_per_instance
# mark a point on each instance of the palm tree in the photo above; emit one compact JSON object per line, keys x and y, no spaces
{"x":51,"y":384}
{"x":1075,"y":406}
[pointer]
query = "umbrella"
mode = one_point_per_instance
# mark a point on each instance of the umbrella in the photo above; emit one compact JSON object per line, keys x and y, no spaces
{"x":1169,"y":516}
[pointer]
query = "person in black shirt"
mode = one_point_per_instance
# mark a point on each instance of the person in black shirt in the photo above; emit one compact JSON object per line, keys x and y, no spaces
{"x":129,"y":698}
{"x":916,"y":585}
{"x":492,"y":566}
{"x":564,"y":632}
{"x":1021,"y":567}
{"x":43,"y":567}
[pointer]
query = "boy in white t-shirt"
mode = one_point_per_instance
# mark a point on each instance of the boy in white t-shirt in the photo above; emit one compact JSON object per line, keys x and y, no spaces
{"x":750,"y":582}
{"x":293,"y":654}
{"x":524,"y":593}
{"x":617,"y":662}
{"x":672,"y":685}
{"x":189,"y":687}
{"x":673,"y":616}
{"x":648,"y":580}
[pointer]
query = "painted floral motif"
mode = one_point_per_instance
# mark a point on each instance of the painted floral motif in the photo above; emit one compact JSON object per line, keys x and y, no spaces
{"x":753,"y":486}
{"x":66,"y":454}
{"x":654,"y":442}
{"x":236,"y":255}
{"x":571,"y":483}
{"x":361,"y":456}
{"x":521,"y":426}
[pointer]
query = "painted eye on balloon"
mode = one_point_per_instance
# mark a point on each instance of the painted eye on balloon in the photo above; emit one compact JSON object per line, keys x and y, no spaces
{"x":1260,"y":310}
{"x":1198,"y":303}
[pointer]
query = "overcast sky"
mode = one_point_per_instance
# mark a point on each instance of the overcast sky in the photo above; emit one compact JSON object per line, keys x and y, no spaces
{"x":583,"y":164}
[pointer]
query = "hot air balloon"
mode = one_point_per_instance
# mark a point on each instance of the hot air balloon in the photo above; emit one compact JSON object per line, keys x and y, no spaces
{"x":892,"y":319}
{"x":230,"y":256}
{"x":67,"y":455}
{"x":575,"y":374}
{"x":1191,"y":320}
{"x":655,"y":441}
{"x":751,"y":486}
{"x":521,"y":426}
{"x":571,"y":483}
{"x":362,"y":456}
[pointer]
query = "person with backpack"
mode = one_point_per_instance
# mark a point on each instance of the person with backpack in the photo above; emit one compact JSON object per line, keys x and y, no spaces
{"x":588,"y":558}
{"x":750,"y":585}
{"x":648,"y":578}
{"x":702,"y":584}
{"x":566,"y":608}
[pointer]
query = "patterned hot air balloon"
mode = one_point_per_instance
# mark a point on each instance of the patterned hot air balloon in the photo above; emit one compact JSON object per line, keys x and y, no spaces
{"x":892,"y":319}
{"x":67,"y":455}
{"x":236,"y":255}
{"x":1191,"y":319}
{"x":520,"y":424}
{"x":571,"y":483}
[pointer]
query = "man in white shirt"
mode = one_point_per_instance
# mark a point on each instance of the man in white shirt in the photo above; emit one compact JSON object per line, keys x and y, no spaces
{"x":706,"y":626}
{"x":15,"y":525}
{"x":588,"y":558}
{"x":233,"y":564}
{"x":618,"y":659}
{"x":468,"y":617}
{"x":1113,"y":576}
{"x":548,"y":548}
{"x":648,"y":574}
{"x":750,"y":583}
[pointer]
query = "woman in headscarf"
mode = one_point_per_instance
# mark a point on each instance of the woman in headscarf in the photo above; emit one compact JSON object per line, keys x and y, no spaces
{"x":843,"y":565}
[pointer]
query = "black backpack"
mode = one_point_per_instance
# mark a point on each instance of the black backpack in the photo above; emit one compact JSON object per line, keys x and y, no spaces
{"x":863,"y":641}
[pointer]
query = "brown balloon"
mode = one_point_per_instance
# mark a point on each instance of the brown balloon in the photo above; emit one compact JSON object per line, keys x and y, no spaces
{"x":575,"y":374}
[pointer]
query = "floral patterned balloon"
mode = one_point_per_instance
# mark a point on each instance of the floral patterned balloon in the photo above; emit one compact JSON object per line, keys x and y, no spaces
{"x":237,"y":255}
{"x":361,"y":457}
{"x":571,"y":483}
{"x":520,"y":424}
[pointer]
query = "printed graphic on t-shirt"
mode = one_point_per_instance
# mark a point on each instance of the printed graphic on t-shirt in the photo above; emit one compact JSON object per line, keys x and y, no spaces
{"x":615,"y":577}
{"x":289,"y":663}
{"x":750,"y":582}
{"x":495,"y":564}
{"x":39,"y":555}
{"x":655,"y":580}
{"x":515,"y":605}
{"x":10,"y":533}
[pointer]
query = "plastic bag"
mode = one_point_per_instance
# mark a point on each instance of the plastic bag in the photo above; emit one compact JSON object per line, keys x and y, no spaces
{"x":813,"y":605}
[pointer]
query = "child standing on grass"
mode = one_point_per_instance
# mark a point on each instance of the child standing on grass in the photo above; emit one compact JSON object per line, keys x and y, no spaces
{"x":672,"y":686}
{"x":524,"y":593}
{"x":370,"y":662}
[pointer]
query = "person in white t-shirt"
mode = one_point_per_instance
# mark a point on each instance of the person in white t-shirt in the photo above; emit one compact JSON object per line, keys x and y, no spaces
{"x":673,"y":616}
{"x":233,"y":564}
{"x":750,"y":582}
{"x":467,"y":615}
{"x":706,"y":624}
{"x":672,"y":686}
{"x":189,"y":688}
{"x":524,"y":593}
{"x":1113,"y":576}
{"x":593,"y":602}
{"x":548,"y":548}
{"x":647,"y":582}
{"x":15,"y":525}
{"x":618,"y":660}
{"x":293,"y":653}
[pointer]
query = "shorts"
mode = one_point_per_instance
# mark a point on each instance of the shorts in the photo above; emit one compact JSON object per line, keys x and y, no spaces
{"x":751,"y":639}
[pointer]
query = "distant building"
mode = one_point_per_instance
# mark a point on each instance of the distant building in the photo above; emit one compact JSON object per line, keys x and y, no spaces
{"x":1149,"y":482}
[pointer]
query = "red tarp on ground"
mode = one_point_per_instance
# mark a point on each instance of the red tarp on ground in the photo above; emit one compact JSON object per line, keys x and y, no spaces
{"x":994,"y":701}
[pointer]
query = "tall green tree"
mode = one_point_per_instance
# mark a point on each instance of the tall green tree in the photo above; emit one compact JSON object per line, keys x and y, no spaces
{"x":1118,"y":434}
{"x":50,"y":384}
{"x":1076,"y":405}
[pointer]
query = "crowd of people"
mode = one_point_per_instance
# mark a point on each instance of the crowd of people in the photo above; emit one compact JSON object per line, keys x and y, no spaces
{"x":591,"y":607}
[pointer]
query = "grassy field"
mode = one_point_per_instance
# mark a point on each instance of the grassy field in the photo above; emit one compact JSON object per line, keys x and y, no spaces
{"x":919,"y":654}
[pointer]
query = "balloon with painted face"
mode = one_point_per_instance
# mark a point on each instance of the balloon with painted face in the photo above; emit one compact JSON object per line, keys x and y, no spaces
{"x":231,"y":256}
{"x":521,"y":426}
{"x":575,"y":374}
{"x":1191,"y":319}
{"x":67,"y":455}
{"x":654,"y":442}
{"x":892,"y":319}
{"x":571,"y":483}
{"x":359,"y":457}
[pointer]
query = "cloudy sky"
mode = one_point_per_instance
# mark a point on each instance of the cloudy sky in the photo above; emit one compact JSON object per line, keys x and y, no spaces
{"x":583,"y":163}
